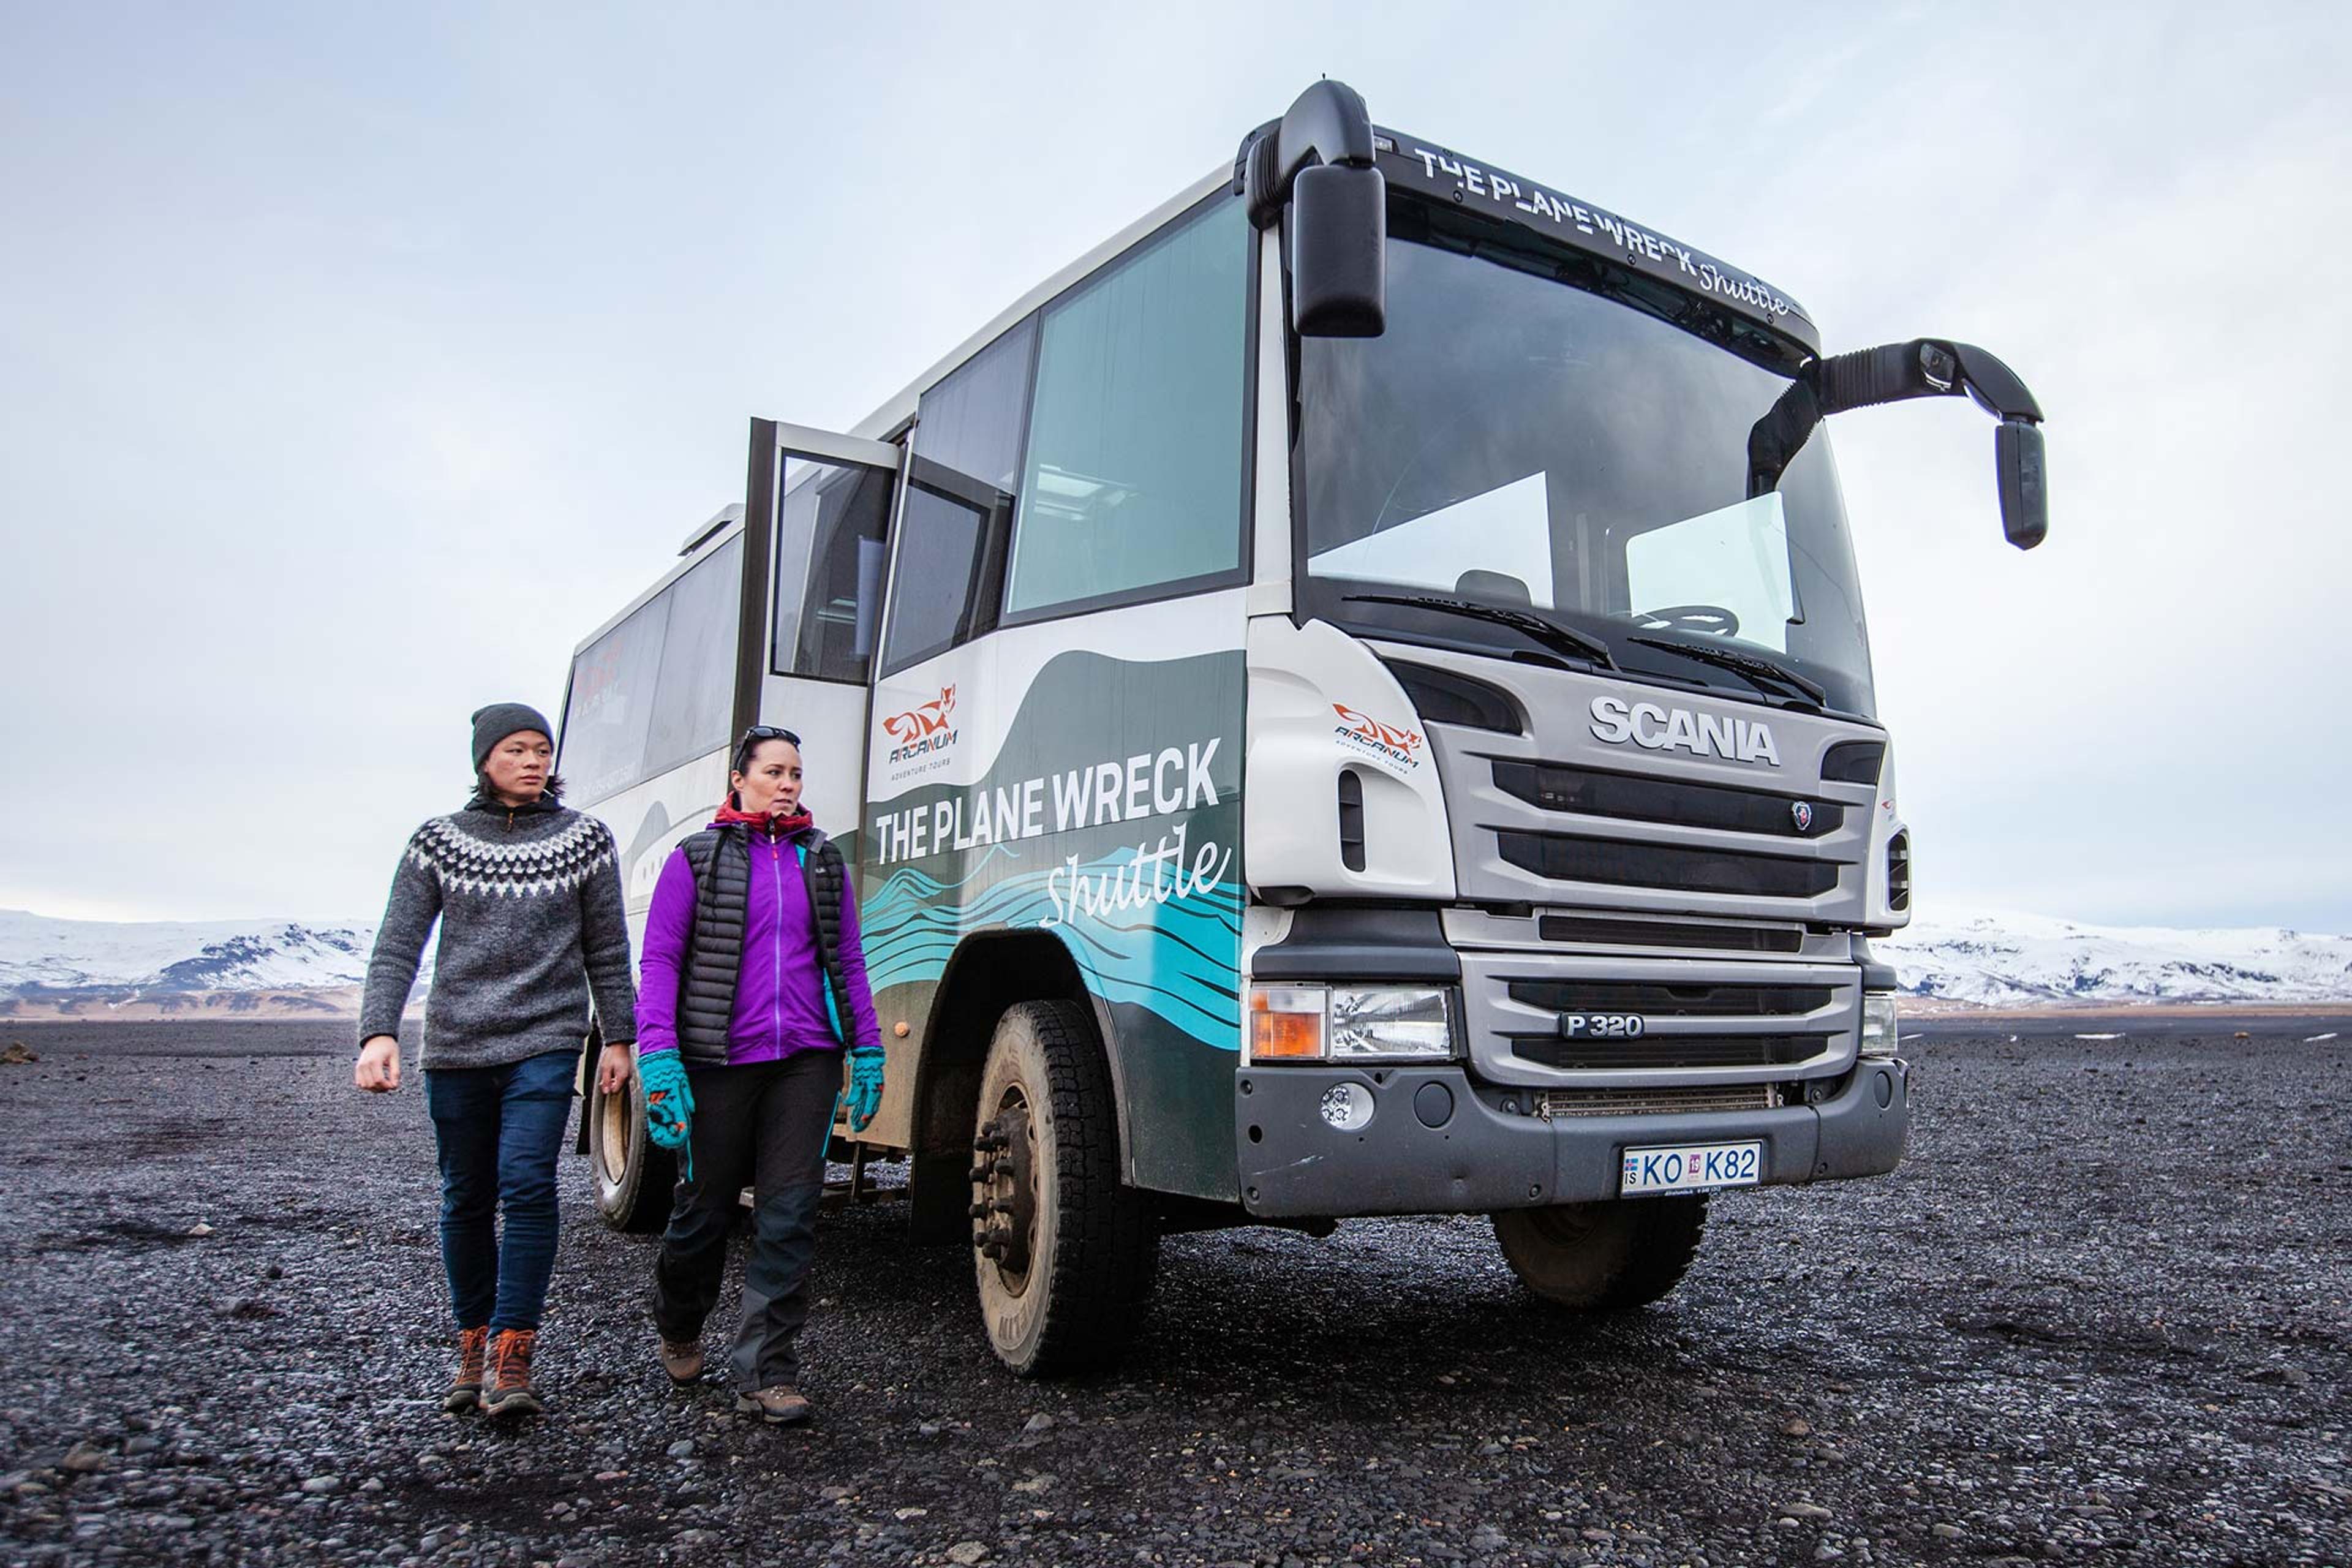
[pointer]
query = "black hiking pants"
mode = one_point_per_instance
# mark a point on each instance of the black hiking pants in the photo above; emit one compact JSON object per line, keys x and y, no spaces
{"x":764,"y":1124}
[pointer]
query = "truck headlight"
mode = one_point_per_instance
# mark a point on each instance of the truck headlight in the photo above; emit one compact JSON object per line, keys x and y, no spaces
{"x":1350,"y":1023}
{"x":1878,"y":1027}
{"x":1391,"y":1022}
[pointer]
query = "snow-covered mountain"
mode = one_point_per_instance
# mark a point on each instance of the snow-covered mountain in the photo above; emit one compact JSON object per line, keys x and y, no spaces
{"x":2000,"y":959}
{"x":49,"y":966}
{"x":179,"y":967}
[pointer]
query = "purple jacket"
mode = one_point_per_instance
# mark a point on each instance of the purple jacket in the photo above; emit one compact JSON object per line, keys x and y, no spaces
{"x":780,"y":1003}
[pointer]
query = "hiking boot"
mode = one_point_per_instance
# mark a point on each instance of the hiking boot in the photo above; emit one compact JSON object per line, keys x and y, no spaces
{"x":465,"y":1392}
{"x":510,"y":1393}
{"x":682,"y":1359}
{"x":782,"y":1406}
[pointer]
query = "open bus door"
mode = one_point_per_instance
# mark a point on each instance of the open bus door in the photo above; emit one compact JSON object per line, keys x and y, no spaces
{"x":816,"y":517}
{"x":806,"y":583}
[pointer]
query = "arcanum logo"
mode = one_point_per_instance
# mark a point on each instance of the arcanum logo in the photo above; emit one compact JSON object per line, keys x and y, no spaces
{"x":921,"y":731}
{"x":1657,"y":728}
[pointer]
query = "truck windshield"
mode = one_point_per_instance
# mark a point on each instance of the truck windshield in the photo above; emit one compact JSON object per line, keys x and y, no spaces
{"x":1524,"y":436}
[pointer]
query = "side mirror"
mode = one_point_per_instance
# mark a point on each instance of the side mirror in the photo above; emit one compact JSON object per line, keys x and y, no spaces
{"x":1923,"y":367}
{"x":2024,"y":501}
{"x":1338,"y":252}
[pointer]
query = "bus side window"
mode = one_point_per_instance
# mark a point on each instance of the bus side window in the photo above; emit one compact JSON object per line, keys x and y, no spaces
{"x":959,"y":505}
{"x":829,"y":546}
{"x":694,"y":698}
{"x":1133,"y":489}
{"x":653,"y":692}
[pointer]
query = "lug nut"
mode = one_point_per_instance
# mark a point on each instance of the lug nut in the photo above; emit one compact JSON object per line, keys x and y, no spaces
{"x":978,"y":1211}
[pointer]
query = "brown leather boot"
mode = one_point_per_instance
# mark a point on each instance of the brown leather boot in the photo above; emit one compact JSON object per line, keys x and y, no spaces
{"x":682,"y":1359}
{"x":780,"y":1405}
{"x":510,"y":1393}
{"x":466,"y":1391}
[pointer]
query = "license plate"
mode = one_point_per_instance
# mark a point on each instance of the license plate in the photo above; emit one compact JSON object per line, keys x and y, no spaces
{"x":1691,"y":1167}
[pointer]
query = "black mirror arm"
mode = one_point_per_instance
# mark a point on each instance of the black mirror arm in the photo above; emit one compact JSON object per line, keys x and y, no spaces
{"x":1327,"y":124}
{"x":1895,"y":373}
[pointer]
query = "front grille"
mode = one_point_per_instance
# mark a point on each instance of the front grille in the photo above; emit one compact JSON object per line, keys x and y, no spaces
{"x":1633,"y":798}
{"x":1556,"y":1102}
{"x":1663,"y":933}
{"x":1655,"y":999}
{"x":1567,"y":857}
{"x":1671,"y":1050}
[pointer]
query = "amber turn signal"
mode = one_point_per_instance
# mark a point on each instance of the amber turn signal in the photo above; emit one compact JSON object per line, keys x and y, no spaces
{"x":1279,"y":1034}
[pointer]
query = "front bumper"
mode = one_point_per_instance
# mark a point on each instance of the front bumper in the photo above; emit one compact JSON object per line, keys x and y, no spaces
{"x":1436,"y":1143}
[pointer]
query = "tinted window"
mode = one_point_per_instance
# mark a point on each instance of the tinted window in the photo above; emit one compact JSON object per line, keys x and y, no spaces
{"x":829,"y":568}
{"x":658,"y":688}
{"x":967,"y":454}
{"x":1134,"y":477}
{"x":694,"y":699}
{"x":612,"y":705}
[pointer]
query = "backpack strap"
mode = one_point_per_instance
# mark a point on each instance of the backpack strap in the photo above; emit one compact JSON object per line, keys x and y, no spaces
{"x":827,"y":875}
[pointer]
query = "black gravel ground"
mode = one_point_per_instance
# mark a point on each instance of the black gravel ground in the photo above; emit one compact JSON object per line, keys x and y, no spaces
{"x":2104,"y":1314}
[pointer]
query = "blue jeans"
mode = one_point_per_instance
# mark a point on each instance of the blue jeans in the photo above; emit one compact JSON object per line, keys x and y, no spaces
{"x":500,"y":1131}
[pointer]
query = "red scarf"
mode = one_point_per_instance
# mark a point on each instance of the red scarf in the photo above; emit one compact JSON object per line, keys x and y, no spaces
{"x":774,"y":826}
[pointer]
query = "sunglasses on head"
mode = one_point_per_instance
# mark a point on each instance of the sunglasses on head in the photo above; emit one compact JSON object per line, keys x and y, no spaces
{"x":751,"y":739}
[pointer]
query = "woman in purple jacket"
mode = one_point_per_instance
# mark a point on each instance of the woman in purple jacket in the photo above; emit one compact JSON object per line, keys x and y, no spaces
{"x":754,"y":982}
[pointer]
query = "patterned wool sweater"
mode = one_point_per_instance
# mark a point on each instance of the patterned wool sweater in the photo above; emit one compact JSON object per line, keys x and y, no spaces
{"x":531,"y":925}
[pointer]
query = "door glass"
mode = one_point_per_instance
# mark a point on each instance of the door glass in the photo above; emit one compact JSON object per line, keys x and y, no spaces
{"x":1135,"y":450}
{"x":829,"y":534}
{"x":961,"y":476}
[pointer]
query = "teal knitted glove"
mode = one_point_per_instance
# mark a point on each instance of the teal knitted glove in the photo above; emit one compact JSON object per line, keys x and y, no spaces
{"x":864,"y":1087}
{"x":669,"y":1103}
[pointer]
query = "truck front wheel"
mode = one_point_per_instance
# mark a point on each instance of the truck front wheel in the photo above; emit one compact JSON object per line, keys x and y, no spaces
{"x":1064,"y":1251}
{"x":1602,"y":1255}
{"x":634,"y":1176}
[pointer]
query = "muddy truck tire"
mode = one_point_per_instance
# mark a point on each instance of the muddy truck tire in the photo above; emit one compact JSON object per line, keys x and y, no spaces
{"x":1064,"y":1252}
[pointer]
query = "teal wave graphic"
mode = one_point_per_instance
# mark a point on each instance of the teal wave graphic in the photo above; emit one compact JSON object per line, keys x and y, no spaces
{"x":1135,"y":940}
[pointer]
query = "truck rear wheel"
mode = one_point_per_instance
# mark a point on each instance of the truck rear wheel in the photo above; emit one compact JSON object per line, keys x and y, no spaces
{"x":1064,"y":1251}
{"x":1602,"y":1255}
{"x":634,"y":1176}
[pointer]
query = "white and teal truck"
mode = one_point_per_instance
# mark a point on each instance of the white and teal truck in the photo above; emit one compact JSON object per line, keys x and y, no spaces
{"x":1350,"y":699}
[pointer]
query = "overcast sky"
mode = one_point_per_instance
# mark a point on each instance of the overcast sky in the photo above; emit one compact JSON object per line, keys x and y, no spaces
{"x":355,"y":362}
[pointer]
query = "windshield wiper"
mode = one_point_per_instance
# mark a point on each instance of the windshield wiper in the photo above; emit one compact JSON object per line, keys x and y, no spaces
{"x":1746,"y":664}
{"x":1551,"y":634}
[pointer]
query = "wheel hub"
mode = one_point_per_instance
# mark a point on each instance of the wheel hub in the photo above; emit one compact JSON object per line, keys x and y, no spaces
{"x":1004,"y":1191}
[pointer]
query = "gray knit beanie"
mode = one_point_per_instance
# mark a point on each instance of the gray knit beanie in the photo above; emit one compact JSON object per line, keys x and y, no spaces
{"x":499,"y":719}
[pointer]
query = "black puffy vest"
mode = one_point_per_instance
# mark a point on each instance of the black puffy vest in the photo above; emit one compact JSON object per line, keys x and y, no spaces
{"x":720,"y":858}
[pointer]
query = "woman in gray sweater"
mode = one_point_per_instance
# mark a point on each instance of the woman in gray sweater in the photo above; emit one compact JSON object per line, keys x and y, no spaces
{"x":528,"y":893}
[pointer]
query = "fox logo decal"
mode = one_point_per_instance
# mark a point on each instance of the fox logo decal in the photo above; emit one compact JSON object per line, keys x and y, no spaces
{"x":1371,"y":728}
{"x":919,"y":731}
{"x":1399,"y":750}
{"x":917,"y":722}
